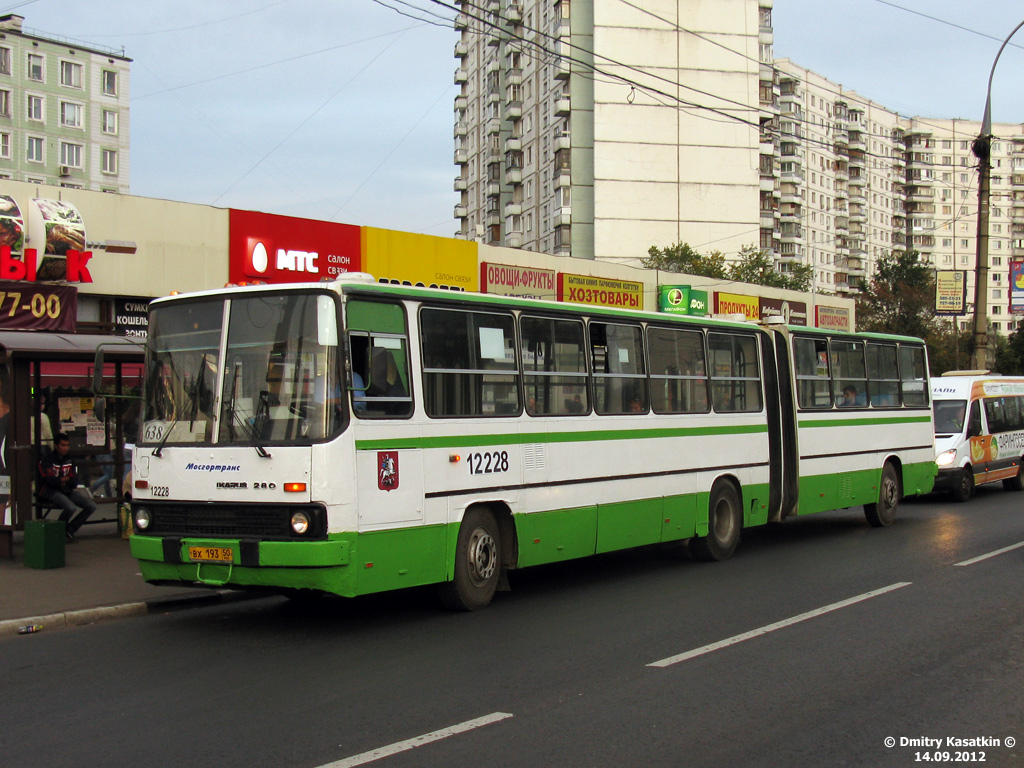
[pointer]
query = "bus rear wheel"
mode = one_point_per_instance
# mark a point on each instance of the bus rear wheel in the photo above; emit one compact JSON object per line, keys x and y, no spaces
{"x":1015,"y":483}
{"x":725,"y":519}
{"x":477,"y":563}
{"x":883,"y":512}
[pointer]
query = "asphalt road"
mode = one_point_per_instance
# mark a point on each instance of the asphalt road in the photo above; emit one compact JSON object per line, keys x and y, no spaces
{"x":819,"y":640}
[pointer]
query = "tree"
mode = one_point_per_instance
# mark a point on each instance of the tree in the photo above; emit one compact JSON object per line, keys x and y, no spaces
{"x":1009,"y":353}
{"x":756,"y":266}
{"x":682,"y":258}
{"x":900,"y":298}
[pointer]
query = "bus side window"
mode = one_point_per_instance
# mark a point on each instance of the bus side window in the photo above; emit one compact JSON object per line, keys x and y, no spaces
{"x":974,"y":422}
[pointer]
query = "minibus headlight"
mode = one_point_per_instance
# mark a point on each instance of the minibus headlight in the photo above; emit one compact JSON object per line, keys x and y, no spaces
{"x":300,"y":522}
{"x":143,"y":518}
{"x":945,"y":458}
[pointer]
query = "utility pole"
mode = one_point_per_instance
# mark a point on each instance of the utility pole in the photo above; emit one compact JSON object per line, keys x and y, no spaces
{"x":982,"y":148}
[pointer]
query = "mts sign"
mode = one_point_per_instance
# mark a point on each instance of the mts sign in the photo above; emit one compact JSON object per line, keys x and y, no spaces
{"x":284,"y":249}
{"x":12,"y":268}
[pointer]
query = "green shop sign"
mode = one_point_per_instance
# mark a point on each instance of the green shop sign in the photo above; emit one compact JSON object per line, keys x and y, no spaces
{"x":682,"y":300}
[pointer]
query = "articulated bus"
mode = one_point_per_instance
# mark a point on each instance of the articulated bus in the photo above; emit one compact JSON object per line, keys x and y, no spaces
{"x":351,"y":437}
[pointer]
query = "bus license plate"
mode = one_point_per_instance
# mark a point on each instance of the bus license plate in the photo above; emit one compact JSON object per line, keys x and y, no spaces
{"x":210,"y":554}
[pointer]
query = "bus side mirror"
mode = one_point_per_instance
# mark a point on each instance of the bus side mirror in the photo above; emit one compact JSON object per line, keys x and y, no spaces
{"x":97,"y":370}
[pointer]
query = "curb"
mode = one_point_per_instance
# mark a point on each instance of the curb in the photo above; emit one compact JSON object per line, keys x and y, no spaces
{"x":9,"y":627}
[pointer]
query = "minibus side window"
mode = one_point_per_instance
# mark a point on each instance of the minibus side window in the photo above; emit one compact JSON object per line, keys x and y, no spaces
{"x":974,"y":423}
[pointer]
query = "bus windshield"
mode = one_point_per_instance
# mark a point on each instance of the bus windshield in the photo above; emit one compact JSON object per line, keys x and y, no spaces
{"x":278,"y":382}
{"x":949,"y":416}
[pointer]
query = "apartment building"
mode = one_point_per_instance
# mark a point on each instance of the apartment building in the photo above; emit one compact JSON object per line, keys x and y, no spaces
{"x":858,"y":180}
{"x":64,"y":111}
{"x":600,"y":128}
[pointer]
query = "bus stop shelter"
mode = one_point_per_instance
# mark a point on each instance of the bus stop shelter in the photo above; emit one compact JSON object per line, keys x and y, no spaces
{"x":46,"y":387}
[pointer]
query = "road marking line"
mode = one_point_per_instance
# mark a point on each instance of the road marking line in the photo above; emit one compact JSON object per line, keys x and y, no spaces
{"x":418,"y":741}
{"x":777,"y":625}
{"x":979,"y":558}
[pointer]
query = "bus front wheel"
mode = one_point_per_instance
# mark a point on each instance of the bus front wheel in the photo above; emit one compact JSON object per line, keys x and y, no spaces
{"x":883,"y":512}
{"x":963,"y":489}
{"x":725,"y":519}
{"x":477,"y":563}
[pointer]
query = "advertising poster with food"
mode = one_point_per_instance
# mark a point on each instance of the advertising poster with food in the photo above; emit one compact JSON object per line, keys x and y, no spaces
{"x":12,"y":225}
{"x":65,"y":231}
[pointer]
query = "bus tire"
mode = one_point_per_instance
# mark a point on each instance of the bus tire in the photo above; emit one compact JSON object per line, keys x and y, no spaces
{"x":725,"y":519}
{"x":963,"y":489}
{"x":1015,"y":483}
{"x":477,"y":563}
{"x":883,"y":512}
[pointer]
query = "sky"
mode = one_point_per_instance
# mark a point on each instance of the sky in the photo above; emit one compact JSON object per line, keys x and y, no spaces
{"x":342,"y":110}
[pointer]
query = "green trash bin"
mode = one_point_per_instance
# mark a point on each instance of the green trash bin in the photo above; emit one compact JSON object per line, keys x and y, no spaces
{"x":44,"y":543}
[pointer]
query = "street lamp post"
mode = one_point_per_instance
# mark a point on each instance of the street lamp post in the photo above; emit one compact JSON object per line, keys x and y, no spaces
{"x":982,"y":148}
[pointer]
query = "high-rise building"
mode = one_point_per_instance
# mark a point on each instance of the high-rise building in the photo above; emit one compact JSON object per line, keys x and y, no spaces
{"x":600,"y":129}
{"x":64,"y":115}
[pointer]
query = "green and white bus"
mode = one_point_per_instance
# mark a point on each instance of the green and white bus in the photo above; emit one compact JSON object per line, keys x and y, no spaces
{"x":351,"y":437}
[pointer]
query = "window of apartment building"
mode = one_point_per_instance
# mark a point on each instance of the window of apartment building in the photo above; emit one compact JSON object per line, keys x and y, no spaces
{"x":5,"y":103}
{"x":71,"y":114}
{"x":71,"y":74}
{"x":963,"y":243}
{"x":109,"y":121}
{"x":109,"y":82}
{"x":5,"y":146}
{"x":5,"y":61}
{"x":997,"y":261}
{"x":947,"y":242}
{"x":110,"y":161}
{"x":71,"y":154}
{"x":35,"y":107}
{"x":35,"y":67}
{"x":34,"y":149}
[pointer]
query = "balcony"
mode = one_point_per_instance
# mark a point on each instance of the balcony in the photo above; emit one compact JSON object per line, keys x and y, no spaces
{"x":462,"y":102}
{"x":562,"y":106}
{"x":514,"y":12}
{"x":514,"y":76}
{"x":461,"y":184}
{"x":514,"y":240}
{"x":562,"y":63}
{"x":461,"y":128}
{"x":514,"y":144}
{"x":562,"y":178}
{"x":563,"y":141}
{"x":461,"y":157}
{"x":461,"y":212}
{"x":563,"y":216}
{"x":842,"y":223}
{"x":493,"y":126}
{"x":514,"y":175}
{"x":461,"y":21}
{"x":513,"y":209}
{"x":493,"y":189}
{"x":461,"y":50}
{"x":513,"y":110}
{"x":461,"y":76}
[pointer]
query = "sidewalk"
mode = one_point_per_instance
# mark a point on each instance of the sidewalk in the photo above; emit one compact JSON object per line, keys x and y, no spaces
{"x":99,"y":581}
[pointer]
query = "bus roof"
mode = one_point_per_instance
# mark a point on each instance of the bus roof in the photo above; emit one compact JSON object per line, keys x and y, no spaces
{"x":361,"y":284}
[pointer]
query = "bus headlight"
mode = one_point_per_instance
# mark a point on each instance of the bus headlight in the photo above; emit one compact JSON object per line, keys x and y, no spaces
{"x":143,"y":518}
{"x":300,"y":522}
{"x":946,"y":458}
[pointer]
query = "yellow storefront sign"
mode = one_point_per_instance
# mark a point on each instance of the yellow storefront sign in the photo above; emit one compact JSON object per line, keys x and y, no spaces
{"x":405,"y":258}
{"x":600,"y":291}
{"x":738,"y":304}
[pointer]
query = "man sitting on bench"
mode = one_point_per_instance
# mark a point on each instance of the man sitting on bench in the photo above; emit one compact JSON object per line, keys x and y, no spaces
{"x":58,"y":480}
